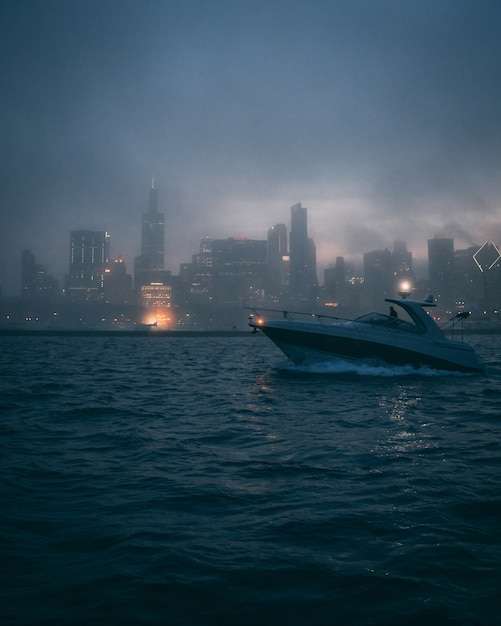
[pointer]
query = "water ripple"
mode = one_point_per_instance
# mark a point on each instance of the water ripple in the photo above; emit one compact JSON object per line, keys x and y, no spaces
{"x":204,"y":481}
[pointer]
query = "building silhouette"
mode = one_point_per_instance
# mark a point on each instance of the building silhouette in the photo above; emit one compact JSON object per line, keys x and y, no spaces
{"x":152,"y":283}
{"x":401,"y":265}
{"x":89,"y":255}
{"x":303,"y":270}
{"x":378,"y":277}
{"x":441,"y":269}
{"x":194,"y":289}
{"x":239,"y":270}
{"x":117,"y":283}
{"x":35,"y":282}
{"x":197,"y":276}
{"x":149,"y":265}
{"x":335,"y":282}
{"x":277,"y":278}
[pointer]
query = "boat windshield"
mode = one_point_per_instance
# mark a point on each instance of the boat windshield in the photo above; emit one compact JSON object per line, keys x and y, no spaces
{"x":389,"y":321}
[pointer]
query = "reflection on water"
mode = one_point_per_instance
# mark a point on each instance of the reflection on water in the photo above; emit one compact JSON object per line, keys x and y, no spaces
{"x":405,"y":411}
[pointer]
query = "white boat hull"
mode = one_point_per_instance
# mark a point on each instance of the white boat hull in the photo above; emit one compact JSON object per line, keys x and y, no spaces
{"x":303,"y":341}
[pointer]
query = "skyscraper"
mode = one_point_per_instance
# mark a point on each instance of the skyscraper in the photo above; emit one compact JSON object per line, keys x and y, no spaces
{"x":149,"y":266}
{"x":401,"y":265}
{"x":335,"y":280}
{"x":441,"y":268}
{"x":152,"y":283}
{"x":89,"y":253}
{"x":276,"y":278}
{"x":378,"y":276}
{"x":239,"y":270}
{"x":303,"y":270}
{"x":201,"y":273}
{"x":117,"y":283}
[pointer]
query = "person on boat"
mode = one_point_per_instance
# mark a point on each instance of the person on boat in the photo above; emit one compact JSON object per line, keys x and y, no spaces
{"x":393,"y":313}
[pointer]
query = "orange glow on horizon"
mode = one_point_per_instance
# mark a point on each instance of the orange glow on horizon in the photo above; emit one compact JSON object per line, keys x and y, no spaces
{"x":161,"y":317}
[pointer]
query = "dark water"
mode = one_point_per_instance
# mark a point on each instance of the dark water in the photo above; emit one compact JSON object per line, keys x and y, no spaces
{"x":200,"y":481}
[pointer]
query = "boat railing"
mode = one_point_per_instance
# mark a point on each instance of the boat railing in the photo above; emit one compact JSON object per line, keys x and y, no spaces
{"x":373,"y":319}
{"x":290,"y":315}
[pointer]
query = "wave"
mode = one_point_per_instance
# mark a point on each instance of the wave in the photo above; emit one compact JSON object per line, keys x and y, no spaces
{"x":364,"y":368}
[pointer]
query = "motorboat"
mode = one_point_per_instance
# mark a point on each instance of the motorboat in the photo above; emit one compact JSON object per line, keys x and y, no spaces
{"x":407,"y":337}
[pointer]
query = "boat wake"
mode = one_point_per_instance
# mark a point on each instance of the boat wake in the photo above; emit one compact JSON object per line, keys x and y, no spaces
{"x":363,"y":368}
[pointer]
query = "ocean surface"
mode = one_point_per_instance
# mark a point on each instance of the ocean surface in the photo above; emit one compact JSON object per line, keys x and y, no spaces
{"x":204,"y":480}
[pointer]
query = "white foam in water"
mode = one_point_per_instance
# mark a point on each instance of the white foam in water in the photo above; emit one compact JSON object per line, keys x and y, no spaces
{"x":364,"y":368}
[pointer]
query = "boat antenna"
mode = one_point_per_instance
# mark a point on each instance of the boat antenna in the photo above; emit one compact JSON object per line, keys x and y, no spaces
{"x":455,"y":320}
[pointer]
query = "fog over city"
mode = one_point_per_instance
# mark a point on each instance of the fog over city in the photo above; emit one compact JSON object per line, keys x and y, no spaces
{"x":382,"y":117}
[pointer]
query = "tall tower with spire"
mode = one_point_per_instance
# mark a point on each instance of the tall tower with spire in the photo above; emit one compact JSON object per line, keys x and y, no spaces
{"x":149,"y":266}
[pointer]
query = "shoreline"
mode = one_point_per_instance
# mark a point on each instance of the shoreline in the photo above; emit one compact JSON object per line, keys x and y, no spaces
{"x":51,"y":332}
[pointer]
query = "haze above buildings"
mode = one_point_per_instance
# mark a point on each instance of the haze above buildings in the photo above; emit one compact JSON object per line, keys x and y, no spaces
{"x":381,"y":117}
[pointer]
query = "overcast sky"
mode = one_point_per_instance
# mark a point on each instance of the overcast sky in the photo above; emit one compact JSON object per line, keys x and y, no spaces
{"x":382,"y":117}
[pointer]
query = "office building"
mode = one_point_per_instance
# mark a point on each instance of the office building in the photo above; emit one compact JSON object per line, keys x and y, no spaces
{"x":441,"y":269}
{"x":378,"y":277}
{"x":117,"y":283}
{"x":335,"y":282}
{"x":277,"y":278}
{"x":89,"y":254}
{"x":303,"y":271}
{"x":152,"y":283}
{"x":200,"y":274}
{"x":401,"y":265}
{"x":239,"y":269}
{"x":149,"y":266}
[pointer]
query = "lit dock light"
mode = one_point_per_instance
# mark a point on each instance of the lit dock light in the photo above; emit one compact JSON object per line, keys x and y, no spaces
{"x":405,"y":289}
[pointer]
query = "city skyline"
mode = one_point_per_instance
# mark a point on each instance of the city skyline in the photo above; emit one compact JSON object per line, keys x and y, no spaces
{"x":151,"y":243}
{"x":381,"y":118}
{"x":228,"y":273}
